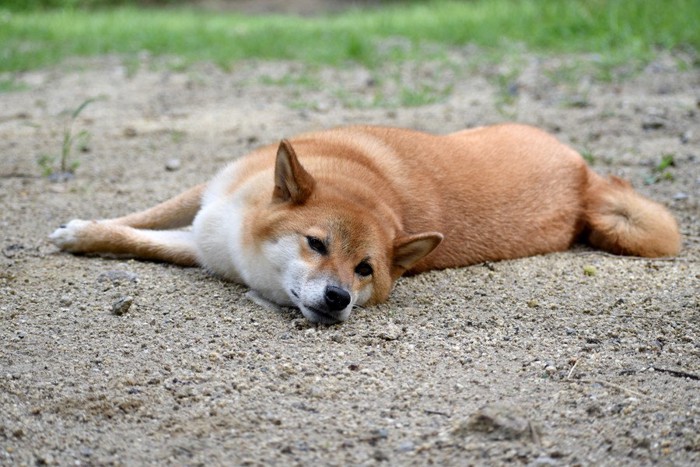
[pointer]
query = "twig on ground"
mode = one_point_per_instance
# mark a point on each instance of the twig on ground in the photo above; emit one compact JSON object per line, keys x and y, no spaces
{"x":436,"y":412}
{"x":534,"y":433}
{"x":571,"y":371}
{"x":677,"y":373}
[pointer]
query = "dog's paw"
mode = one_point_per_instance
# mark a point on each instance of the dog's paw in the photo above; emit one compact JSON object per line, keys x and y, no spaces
{"x":68,"y":236}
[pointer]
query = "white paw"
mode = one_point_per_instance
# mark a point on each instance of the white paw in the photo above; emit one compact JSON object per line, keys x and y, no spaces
{"x":67,"y":237}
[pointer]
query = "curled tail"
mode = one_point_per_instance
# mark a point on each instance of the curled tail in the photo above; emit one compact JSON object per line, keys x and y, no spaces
{"x":622,"y":221}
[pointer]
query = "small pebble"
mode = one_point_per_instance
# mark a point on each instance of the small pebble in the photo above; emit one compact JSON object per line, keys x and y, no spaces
{"x":60,"y":177}
{"x":653,"y":125}
{"x":65,"y":301}
{"x":545,"y":460}
{"x":122,"y":305}
{"x":323,"y":107}
{"x":47,"y":459}
{"x":406,"y":446}
{"x":390,"y":332}
{"x":172,"y":165}
{"x":686,"y":137}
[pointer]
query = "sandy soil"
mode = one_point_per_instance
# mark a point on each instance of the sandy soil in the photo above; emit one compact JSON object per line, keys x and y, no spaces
{"x":565,"y":359}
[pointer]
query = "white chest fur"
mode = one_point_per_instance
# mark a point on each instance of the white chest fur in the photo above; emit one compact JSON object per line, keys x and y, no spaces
{"x":219,"y":236}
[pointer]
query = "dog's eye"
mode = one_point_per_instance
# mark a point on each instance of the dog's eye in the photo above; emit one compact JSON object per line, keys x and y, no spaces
{"x":317,"y":245}
{"x":364,"y":269}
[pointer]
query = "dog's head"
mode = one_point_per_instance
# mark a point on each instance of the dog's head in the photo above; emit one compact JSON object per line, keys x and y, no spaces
{"x":331,"y":253}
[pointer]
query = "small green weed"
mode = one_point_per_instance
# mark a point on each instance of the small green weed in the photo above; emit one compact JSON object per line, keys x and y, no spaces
{"x":10,"y":85}
{"x":423,"y":95}
{"x":61,"y":168}
{"x":301,"y":80}
{"x":508,"y":92}
{"x":131,"y":65}
{"x":567,"y":73}
{"x":178,"y":136}
{"x":666,"y":162}
{"x":588,"y":156}
{"x":662,"y":170}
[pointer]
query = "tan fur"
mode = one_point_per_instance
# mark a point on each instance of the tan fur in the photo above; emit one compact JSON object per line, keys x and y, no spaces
{"x":172,"y":214}
{"x":622,"y":222}
{"x":392,"y":195}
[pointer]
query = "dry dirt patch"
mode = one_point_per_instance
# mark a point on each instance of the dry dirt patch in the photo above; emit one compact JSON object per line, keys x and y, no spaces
{"x":568,"y":358}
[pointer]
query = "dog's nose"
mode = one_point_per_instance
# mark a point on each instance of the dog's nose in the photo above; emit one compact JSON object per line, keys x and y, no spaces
{"x":336,"y":298}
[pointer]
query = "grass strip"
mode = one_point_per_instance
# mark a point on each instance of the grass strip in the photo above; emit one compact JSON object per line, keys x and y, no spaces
{"x":620,"y":30}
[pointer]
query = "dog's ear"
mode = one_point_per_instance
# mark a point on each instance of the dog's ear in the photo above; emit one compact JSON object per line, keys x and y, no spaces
{"x":408,"y":250}
{"x":292,"y":182}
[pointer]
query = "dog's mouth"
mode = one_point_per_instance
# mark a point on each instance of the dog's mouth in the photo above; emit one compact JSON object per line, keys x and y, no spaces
{"x":320,"y":316}
{"x":315,"y":314}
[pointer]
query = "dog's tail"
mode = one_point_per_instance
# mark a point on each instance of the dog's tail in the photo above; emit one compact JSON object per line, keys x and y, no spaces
{"x":621,"y":221}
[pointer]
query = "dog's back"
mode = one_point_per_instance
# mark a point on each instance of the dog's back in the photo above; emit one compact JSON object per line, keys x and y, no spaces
{"x":497,"y":192}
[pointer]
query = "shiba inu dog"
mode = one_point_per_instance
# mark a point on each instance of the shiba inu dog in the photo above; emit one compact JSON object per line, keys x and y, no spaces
{"x":330,"y":220}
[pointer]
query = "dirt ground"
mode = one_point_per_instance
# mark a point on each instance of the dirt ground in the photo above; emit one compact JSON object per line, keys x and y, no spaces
{"x":574,"y":358}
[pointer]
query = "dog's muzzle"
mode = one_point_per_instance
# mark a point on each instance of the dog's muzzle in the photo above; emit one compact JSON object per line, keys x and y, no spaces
{"x":334,"y":308}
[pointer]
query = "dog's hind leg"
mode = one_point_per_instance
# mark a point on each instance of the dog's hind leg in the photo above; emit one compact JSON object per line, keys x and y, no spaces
{"x":107,"y":237}
{"x":174,"y":213}
{"x":143,"y":235}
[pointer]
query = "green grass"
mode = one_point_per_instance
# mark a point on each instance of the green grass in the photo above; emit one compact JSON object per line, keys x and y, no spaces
{"x":9,"y":85}
{"x":303,"y":80}
{"x":619,"y":30}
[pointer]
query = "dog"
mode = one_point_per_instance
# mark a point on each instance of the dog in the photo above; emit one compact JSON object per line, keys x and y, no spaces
{"x":329,"y":220}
